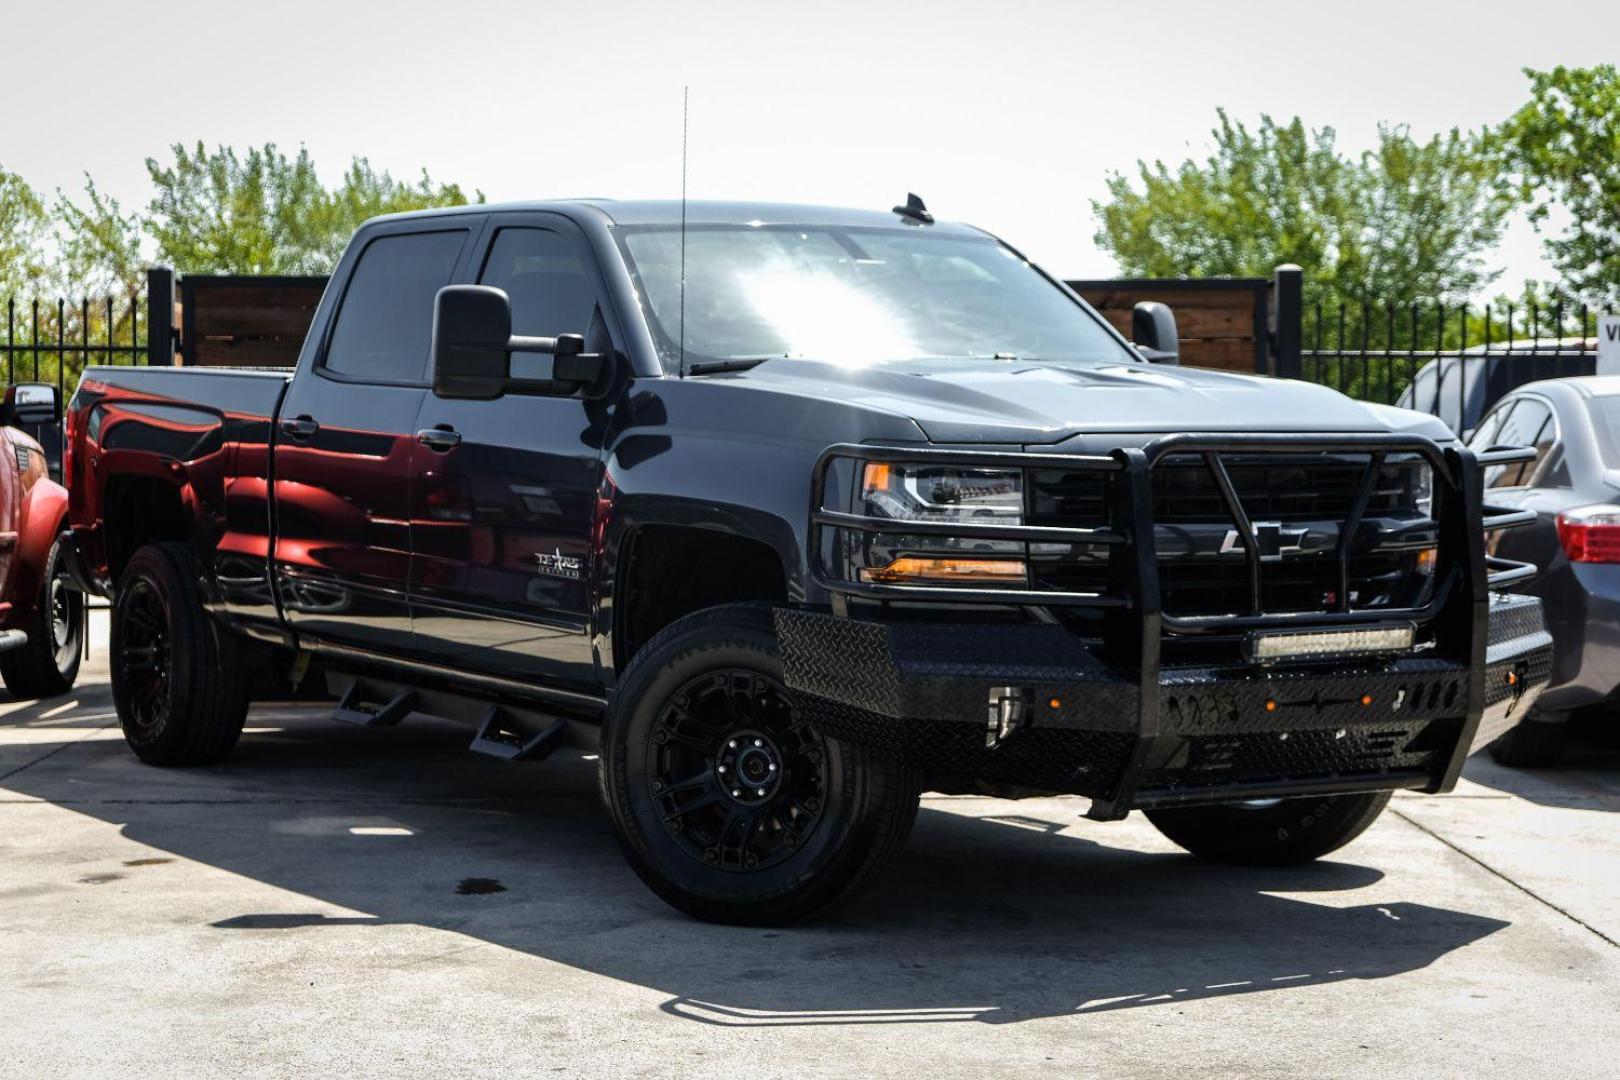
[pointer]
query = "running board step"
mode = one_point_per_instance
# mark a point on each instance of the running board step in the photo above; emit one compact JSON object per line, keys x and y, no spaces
{"x":497,"y":738}
{"x":353,"y":708}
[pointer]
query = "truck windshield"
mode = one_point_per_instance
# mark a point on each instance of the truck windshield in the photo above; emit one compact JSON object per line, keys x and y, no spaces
{"x":853,"y":296}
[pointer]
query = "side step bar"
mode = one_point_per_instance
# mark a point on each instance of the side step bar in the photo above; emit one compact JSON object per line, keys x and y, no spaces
{"x":511,"y":732}
{"x":355,"y":708}
{"x":498,"y":736}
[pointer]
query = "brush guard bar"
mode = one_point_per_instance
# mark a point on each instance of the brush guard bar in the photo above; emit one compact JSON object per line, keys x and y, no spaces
{"x":1134,"y":626}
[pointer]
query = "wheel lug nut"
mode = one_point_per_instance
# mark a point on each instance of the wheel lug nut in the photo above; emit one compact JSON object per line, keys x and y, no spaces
{"x":732,"y":744}
{"x":773,"y":766}
{"x":658,"y":785}
{"x":760,"y":793}
{"x":736,"y":794}
{"x":722,"y":768}
{"x":759,"y":742}
{"x":812,"y":804}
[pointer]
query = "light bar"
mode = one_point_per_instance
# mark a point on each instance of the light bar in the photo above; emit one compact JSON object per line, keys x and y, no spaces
{"x":1323,"y":644}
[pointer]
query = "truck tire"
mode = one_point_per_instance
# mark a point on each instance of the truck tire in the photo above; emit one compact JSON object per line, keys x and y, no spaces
{"x":1536,"y":743}
{"x":49,"y":664}
{"x":727,"y":804}
{"x":177,"y":702}
{"x":1270,"y":832}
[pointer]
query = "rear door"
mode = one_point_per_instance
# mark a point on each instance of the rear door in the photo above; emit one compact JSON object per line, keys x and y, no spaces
{"x":347,"y":436}
{"x":505,"y":496}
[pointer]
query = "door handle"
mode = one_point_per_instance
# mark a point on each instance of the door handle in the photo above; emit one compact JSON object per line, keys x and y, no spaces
{"x":441,"y":438}
{"x":300,"y":428}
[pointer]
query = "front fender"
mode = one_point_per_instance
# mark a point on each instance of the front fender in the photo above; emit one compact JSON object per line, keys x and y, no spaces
{"x":43,"y":516}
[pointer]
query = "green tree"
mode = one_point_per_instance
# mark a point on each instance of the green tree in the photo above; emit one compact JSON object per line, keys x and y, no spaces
{"x":1563,"y":147}
{"x":262,"y":212}
{"x":1408,"y":218}
{"x":100,"y":245}
{"x":24,"y":229}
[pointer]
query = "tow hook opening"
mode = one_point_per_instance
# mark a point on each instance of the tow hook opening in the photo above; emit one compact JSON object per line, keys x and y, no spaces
{"x":1009,"y":712}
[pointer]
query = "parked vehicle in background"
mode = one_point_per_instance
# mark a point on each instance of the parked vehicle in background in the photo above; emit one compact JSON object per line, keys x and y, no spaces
{"x":1573,"y":488}
{"x":1460,"y":389}
{"x":41,"y":611}
{"x":792,"y":512}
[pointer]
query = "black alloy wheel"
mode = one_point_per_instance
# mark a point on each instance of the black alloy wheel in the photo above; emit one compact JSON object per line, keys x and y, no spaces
{"x":738,"y":777}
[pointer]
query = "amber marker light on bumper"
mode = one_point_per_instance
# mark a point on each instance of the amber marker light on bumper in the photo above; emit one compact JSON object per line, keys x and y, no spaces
{"x":1326,"y":644}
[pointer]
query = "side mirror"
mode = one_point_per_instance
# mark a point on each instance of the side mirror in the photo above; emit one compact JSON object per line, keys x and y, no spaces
{"x":473,"y":346}
{"x":30,"y":404}
{"x":1153,"y":329}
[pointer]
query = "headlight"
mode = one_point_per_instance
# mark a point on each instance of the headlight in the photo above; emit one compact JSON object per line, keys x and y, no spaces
{"x":942,"y":493}
{"x":1423,"y":490}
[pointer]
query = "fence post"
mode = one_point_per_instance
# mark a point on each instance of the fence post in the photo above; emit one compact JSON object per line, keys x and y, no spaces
{"x":1287,"y":321}
{"x":160,"y":317}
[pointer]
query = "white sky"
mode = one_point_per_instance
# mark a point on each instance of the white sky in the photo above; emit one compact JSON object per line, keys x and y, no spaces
{"x":1007,"y":114}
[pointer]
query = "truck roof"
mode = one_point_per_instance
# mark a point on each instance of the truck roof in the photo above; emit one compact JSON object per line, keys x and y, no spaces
{"x":704,"y":212}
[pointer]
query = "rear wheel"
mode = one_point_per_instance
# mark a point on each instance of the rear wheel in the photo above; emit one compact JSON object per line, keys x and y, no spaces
{"x":49,"y":663}
{"x":728,"y":803}
{"x":177,"y":703}
{"x":1270,"y":832}
{"x":1537,"y":742}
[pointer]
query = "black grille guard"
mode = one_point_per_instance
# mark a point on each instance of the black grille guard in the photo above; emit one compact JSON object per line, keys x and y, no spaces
{"x":1134,"y":624}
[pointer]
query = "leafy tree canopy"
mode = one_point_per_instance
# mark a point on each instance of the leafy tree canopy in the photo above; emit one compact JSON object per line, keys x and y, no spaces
{"x":23,"y":231}
{"x":1407,"y":218}
{"x":1563,"y":149}
{"x":264,"y":213}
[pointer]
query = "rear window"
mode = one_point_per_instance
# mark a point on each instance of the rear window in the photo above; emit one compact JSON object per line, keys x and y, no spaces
{"x":1605,"y":413}
{"x":386,"y":319}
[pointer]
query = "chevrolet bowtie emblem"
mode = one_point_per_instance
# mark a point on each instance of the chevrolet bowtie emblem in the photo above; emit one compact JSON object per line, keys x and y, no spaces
{"x":1273,"y":540}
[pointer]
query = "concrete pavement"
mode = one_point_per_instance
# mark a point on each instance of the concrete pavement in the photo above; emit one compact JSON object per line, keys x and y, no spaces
{"x":345,"y":902}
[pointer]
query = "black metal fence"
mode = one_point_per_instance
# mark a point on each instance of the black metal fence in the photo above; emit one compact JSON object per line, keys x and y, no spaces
{"x":53,"y":341}
{"x":1453,"y":361}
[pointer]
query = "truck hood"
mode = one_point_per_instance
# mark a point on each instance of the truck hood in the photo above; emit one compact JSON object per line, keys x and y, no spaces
{"x":1008,"y":402}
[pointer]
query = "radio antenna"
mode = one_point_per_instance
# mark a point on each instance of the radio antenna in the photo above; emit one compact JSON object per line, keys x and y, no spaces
{"x":685,"y":93}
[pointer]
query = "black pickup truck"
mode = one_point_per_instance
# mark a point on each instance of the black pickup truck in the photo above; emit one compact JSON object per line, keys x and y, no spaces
{"x":794,"y":513}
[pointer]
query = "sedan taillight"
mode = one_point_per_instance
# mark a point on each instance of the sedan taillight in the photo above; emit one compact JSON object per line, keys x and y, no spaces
{"x":1591,"y":534}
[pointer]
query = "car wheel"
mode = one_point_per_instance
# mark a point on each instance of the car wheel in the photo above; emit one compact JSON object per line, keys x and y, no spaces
{"x":48,"y":664}
{"x":177,"y":702}
{"x":1537,"y":742}
{"x":727,"y":801}
{"x":1270,"y":832}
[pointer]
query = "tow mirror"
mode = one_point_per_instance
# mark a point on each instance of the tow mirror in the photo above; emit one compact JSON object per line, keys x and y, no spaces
{"x":1153,"y":329}
{"x":473,"y":346}
{"x":30,"y":404}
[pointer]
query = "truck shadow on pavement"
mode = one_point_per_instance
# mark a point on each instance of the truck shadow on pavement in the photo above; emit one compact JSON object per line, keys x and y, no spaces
{"x":998,"y":918}
{"x":1587,"y":777}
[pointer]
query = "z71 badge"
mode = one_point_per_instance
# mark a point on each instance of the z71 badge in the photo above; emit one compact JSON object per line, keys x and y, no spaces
{"x":558,"y":565}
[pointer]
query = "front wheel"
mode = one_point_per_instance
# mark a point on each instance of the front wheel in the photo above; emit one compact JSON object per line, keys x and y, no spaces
{"x":1270,"y":832}
{"x":727,"y":801}
{"x":48,"y":664}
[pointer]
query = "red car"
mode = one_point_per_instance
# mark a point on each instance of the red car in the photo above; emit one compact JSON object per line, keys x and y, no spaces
{"x":41,"y":614}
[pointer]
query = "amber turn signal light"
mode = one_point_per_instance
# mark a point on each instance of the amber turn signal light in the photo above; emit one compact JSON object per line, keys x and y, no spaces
{"x":917,"y":569}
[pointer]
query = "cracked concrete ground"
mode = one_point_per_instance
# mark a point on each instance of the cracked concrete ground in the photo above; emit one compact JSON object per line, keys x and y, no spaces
{"x":343,"y":902}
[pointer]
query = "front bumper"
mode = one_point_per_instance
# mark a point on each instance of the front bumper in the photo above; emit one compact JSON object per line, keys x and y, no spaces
{"x":934,"y":695}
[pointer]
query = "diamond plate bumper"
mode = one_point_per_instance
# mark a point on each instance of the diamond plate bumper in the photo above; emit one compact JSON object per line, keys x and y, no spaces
{"x":927,"y":693}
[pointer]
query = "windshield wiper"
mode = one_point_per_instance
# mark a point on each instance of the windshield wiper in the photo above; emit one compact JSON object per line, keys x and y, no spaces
{"x":715,"y":367}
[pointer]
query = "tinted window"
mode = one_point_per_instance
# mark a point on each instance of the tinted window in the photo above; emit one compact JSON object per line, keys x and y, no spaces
{"x":547,"y":279}
{"x":1529,"y":424}
{"x":387,"y":314}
